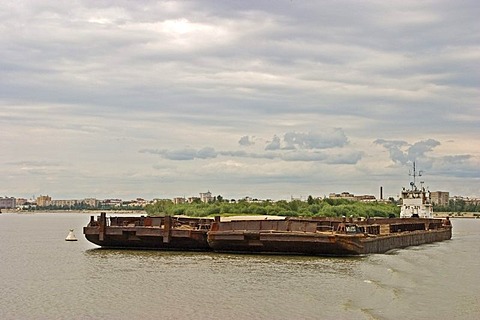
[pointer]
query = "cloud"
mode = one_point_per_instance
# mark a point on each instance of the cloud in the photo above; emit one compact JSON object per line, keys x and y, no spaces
{"x":410,"y":152}
{"x":419,"y":149}
{"x":349,"y":158}
{"x":84,"y":84}
{"x":462,"y":166}
{"x":303,"y":148}
{"x":246,"y":141}
{"x":183,"y":154}
{"x":299,"y":140}
{"x":327,"y":139}
{"x":274,"y":144}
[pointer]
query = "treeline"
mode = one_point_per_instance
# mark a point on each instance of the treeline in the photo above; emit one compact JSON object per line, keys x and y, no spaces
{"x":295,"y":208}
{"x":458,"y":205}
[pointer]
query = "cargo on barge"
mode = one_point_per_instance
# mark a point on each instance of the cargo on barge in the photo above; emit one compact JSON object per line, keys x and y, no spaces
{"x":161,"y":233}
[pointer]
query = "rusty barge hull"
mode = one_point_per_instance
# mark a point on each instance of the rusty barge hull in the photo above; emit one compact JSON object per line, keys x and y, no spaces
{"x":321,"y":244}
{"x":312,"y":236}
{"x":306,"y":238}
{"x":143,"y":238}
{"x":159,"y":233}
{"x":383,"y":244}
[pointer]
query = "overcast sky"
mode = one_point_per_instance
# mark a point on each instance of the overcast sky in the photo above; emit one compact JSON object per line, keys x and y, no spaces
{"x":267,"y":99}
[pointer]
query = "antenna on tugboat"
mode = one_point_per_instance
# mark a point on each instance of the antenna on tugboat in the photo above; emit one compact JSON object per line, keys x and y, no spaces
{"x":415,"y":175}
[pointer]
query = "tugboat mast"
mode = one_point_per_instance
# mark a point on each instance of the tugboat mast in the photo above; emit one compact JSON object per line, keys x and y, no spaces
{"x":415,"y":175}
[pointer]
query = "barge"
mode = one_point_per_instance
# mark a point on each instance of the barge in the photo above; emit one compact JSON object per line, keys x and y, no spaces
{"x":328,"y":236}
{"x":161,"y":233}
{"x":314,"y":236}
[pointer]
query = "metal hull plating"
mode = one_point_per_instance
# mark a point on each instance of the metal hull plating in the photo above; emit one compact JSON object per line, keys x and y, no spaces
{"x":377,"y":237}
{"x":149,"y":239}
{"x":160,"y":233}
{"x":318,"y":244}
{"x":321,"y":236}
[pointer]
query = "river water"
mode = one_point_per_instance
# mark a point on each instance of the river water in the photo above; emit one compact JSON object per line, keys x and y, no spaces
{"x":42,"y":276}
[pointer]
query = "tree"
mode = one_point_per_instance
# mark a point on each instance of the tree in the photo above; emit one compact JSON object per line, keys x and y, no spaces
{"x":310,"y":200}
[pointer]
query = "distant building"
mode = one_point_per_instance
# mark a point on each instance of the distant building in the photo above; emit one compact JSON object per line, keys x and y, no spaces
{"x":466,"y":200}
{"x":111,"y":202}
{"x":343,"y":195}
{"x":91,"y":202}
{"x":138,"y":202}
{"x":21,"y":201}
{"x":472,"y":201}
{"x":352,"y":197}
{"x":44,"y":201}
{"x":440,"y":198}
{"x":7,"y":203}
{"x":365,"y":198}
{"x":206,"y":197}
{"x":179,"y":200}
{"x":64,"y":203}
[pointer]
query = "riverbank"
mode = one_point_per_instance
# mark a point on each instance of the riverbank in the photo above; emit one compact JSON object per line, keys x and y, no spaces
{"x":471,"y":215}
{"x":93,"y":212}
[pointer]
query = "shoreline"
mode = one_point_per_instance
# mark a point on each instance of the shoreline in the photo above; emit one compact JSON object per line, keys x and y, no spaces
{"x":75,"y":211}
{"x":439,"y":215}
{"x":455,"y":215}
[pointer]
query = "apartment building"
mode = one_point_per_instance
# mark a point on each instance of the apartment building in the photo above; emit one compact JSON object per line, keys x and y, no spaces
{"x":440,"y":198}
{"x":44,"y":201}
{"x":7,"y":203}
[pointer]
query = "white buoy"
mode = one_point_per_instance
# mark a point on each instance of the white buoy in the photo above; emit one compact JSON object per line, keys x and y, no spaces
{"x":71,"y":236}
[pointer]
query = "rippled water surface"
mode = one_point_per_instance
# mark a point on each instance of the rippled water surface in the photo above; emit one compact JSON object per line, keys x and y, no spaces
{"x":42,"y":276}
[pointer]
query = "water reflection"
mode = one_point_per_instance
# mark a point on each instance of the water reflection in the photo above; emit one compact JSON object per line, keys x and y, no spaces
{"x":219,"y":262}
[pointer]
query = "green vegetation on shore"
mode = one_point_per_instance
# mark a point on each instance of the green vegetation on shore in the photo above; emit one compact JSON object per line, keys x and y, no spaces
{"x":294,"y":208}
{"x":458,"y":205}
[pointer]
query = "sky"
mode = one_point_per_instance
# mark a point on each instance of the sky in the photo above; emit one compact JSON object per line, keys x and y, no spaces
{"x":266,"y":99}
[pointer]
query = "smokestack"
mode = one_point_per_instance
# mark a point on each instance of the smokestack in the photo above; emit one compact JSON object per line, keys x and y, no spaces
{"x":381,"y":193}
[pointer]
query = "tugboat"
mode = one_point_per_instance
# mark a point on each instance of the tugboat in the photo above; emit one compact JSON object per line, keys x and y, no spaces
{"x":416,"y":201}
